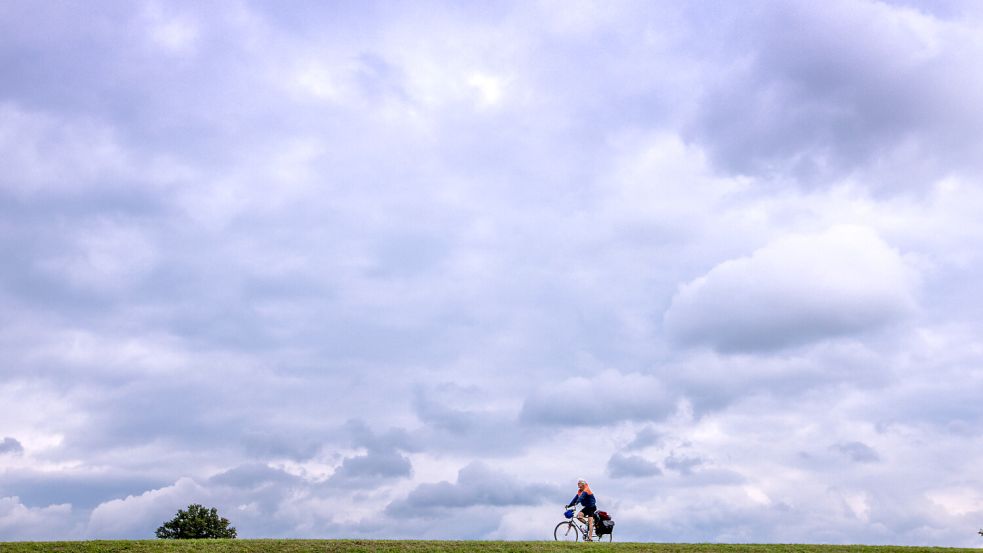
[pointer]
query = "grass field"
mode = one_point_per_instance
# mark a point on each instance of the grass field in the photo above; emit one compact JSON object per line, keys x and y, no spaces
{"x":359,"y":546}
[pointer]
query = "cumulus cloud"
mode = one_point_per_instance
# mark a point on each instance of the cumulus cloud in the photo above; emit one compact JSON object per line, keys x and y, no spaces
{"x":478,"y":485}
{"x":381,"y":461}
{"x":797,"y":290}
{"x":219,"y":293}
{"x":372,"y":467}
{"x":138,"y":516}
{"x":19,"y":522}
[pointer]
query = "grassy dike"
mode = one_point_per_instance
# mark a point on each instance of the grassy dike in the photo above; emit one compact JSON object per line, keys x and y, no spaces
{"x":394,"y":546}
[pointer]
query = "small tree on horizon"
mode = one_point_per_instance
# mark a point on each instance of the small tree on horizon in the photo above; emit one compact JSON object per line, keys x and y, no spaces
{"x":196,"y":523}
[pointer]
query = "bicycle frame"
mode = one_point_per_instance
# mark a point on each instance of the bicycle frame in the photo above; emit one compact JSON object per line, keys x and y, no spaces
{"x":570,"y":529}
{"x":582,"y":526}
{"x":578,"y":528}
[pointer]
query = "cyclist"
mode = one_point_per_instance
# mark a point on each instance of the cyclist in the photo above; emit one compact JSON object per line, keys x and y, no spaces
{"x":589,"y":505}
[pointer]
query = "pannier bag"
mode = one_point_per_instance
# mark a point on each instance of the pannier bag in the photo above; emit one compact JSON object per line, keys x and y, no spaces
{"x":606,"y":527}
{"x":603,"y":515}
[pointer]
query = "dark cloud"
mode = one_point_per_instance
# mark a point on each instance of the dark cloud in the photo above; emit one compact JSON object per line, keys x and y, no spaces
{"x":274,"y":444}
{"x":254,"y":475}
{"x":477,"y":485}
{"x":80,"y":490}
{"x":382,"y":461}
{"x":848,"y":90}
{"x":10,"y":446}
{"x":646,"y":437}
{"x":394,"y":438}
{"x":681,"y":463}
{"x":371,"y":469}
{"x":631,"y":466}
{"x":857,"y":452}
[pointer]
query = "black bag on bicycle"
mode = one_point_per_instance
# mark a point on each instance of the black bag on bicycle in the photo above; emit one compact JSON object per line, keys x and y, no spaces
{"x":603,"y":523}
{"x":605,"y":527}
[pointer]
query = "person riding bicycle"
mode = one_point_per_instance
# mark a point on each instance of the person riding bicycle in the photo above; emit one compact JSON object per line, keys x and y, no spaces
{"x":589,"y":505}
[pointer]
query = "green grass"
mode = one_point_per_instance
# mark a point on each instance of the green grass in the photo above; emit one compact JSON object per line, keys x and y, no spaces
{"x":394,"y":546}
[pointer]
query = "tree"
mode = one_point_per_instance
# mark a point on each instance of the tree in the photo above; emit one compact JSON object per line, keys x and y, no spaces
{"x":196,"y":523}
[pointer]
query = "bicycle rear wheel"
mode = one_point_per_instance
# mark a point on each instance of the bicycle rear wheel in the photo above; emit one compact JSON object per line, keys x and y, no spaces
{"x":606,"y":538}
{"x":566,"y":531}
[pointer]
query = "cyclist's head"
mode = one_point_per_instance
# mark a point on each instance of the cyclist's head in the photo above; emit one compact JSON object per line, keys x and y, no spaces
{"x":581,"y":482}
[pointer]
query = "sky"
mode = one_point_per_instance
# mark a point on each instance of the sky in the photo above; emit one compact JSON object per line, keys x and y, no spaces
{"x":411,"y":269}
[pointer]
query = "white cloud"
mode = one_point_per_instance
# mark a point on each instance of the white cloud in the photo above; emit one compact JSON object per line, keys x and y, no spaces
{"x":45,"y":151}
{"x":139,"y":516}
{"x":478,"y":485}
{"x":490,"y":89}
{"x":106,"y":257}
{"x":796,"y":290}
{"x":313,"y":78}
{"x":19,"y":522}
{"x":229,"y":230}
{"x":958,"y":500}
{"x":174,"y":33}
{"x":661,"y":180}
{"x":599,"y":399}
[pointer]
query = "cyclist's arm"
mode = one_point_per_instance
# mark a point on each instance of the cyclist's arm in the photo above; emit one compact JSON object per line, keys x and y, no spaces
{"x":574,"y":501}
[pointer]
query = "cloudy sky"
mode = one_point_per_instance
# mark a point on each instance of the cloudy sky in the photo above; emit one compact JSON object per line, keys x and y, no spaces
{"x":410,"y":269}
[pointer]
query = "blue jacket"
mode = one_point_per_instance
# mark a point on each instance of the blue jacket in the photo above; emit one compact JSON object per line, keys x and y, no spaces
{"x":584,"y":498}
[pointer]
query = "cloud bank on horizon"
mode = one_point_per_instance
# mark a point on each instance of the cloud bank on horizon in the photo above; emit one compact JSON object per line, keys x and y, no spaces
{"x":385,"y":270}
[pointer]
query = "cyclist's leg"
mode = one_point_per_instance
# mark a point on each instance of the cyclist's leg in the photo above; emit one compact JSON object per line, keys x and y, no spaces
{"x":589,"y":514}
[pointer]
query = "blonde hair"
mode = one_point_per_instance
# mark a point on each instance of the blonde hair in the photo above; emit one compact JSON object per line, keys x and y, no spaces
{"x":586,"y":486}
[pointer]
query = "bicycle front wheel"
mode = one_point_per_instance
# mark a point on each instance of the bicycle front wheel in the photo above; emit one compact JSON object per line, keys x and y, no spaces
{"x":566,"y":531}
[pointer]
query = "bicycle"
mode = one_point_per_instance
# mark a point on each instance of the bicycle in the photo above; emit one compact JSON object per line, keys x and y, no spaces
{"x":573,"y":529}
